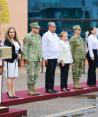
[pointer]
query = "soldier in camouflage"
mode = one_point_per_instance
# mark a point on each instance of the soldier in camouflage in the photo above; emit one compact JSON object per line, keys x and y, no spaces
{"x":32,"y":56}
{"x":78,"y":53}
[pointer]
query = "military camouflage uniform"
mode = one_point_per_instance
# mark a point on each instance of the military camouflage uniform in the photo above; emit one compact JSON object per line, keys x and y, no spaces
{"x":78,"y":53}
{"x":32,"y":53}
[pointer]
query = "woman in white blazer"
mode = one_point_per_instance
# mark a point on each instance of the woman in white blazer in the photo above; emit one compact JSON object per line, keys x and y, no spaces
{"x":65,"y":59}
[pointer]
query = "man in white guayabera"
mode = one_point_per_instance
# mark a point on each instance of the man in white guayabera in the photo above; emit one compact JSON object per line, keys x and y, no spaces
{"x":50,"y":52}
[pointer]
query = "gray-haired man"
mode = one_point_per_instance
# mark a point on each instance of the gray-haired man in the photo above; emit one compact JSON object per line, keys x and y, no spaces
{"x":50,"y":51}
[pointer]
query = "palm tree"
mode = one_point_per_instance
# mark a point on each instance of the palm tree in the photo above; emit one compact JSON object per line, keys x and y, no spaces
{"x":4,"y":13}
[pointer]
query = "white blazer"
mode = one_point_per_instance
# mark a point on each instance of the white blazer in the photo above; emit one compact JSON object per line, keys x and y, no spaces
{"x":65,"y":54}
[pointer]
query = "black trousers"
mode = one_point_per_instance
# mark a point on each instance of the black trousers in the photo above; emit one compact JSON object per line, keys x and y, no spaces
{"x":91,"y":80}
{"x":64,"y":75}
{"x":50,"y":73}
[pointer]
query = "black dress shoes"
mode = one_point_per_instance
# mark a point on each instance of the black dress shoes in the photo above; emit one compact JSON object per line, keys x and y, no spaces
{"x":54,"y":91}
{"x":51,"y":91}
{"x":9,"y":95}
{"x":92,"y":85}
{"x":15,"y":97}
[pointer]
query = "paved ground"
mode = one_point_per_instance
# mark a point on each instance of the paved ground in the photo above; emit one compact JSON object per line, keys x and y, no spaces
{"x":76,"y":106}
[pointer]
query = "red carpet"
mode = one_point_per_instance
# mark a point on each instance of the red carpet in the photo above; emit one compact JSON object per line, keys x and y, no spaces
{"x":24,"y":98}
{"x":14,"y":113}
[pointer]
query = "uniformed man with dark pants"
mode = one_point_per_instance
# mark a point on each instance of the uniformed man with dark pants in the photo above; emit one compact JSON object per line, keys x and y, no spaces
{"x":78,"y":53}
{"x":50,"y":50}
{"x":32,"y":55}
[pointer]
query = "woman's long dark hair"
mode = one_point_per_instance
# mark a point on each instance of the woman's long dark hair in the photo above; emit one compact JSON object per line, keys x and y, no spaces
{"x":7,"y":37}
{"x":90,"y":30}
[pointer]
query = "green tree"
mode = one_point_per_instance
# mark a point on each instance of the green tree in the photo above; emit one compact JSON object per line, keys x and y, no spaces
{"x":4,"y":13}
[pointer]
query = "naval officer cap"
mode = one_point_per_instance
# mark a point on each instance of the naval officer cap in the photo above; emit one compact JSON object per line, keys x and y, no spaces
{"x":76,"y":27}
{"x":34,"y":25}
{"x":51,"y":24}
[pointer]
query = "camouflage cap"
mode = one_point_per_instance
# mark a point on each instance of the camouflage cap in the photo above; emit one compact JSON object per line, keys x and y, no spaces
{"x":34,"y":25}
{"x":76,"y":27}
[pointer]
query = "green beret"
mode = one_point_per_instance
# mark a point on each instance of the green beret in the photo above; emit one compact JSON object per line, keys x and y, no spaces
{"x":76,"y":27}
{"x":34,"y":25}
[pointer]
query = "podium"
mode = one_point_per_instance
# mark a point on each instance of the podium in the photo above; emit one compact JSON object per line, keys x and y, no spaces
{"x":5,"y":53}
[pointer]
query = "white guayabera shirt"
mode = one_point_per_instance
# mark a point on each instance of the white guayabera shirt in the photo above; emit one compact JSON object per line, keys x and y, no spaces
{"x":50,"y":46}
